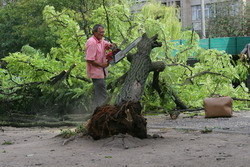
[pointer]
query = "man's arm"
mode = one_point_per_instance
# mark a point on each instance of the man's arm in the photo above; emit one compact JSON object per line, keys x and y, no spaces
{"x":94,"y":63}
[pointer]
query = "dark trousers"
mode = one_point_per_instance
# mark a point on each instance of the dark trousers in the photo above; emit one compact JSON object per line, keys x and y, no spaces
{"x":100,"y":93}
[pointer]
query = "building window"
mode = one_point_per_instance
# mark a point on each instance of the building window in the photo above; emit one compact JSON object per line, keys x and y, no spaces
{"x":178,"y":4}
{"x":164,"y":3}
{"x":234,"y":9}
{"x":196,"y":11}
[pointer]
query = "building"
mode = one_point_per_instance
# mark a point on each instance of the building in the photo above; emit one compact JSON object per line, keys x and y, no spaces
{"x":192,"y":10}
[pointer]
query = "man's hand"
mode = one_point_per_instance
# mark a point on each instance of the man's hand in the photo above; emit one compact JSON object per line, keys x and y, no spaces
{"x":104,"y":65}
{"x":113,"y":46}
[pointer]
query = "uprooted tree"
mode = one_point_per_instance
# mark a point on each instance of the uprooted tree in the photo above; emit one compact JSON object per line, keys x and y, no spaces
{"x":125,"y":116}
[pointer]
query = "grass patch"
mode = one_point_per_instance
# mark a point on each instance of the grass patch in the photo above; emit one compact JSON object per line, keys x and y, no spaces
{"x":207,"y":130}
{"x":67,"y":133}
{"x":7,"y":143}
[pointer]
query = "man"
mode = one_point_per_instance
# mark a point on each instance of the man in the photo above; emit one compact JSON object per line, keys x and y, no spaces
{"x":97,"y":63}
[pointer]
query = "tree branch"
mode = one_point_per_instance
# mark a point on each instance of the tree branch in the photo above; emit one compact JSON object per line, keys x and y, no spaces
{"x":202,"y":73}
{"x":38,"y":69}
{"x":52,"y":81}
{"x":63,"y":75}
{"x":107,"y":18}
{"x":175,"y":98}
{"x":183,"y":65}
{"x":238,"y":99}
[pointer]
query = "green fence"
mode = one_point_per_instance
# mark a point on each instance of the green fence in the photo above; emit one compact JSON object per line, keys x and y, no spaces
{"x":232,"y":45}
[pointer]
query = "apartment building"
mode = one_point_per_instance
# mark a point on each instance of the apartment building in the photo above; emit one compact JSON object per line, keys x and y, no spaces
{"x":193,"y":14}
{"x":190,"y":10}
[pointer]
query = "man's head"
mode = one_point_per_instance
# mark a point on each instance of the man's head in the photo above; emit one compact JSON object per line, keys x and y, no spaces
{"x":98,"y":31}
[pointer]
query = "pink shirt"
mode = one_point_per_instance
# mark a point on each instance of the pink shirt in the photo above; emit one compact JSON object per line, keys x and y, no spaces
{"x":95,"y":50}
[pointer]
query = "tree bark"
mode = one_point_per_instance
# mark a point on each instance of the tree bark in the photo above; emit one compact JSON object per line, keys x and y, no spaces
{"x":141,"y":65}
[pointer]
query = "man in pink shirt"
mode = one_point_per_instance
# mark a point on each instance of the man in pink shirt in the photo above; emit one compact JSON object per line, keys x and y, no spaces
{"x":97,"y":63}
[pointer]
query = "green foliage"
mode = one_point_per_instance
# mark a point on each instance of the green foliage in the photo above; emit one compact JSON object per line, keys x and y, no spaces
{"x":161,"y":20}
{"x":67,"y":133}
{"x":213,"y":74}
{"x":32,"y":66}
{"x":20,"y":24}
{"x":27,"y":79}
{"x":81,"y":129}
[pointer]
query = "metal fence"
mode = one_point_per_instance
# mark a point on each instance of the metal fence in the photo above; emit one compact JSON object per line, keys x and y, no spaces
{"x":231,"y":45}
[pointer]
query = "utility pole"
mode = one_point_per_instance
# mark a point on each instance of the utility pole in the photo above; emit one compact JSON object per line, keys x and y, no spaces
{"x":203,"y":22}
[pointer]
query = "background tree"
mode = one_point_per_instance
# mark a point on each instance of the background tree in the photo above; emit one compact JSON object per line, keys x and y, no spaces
{"x":21,"y":23}
{"x":229,"y":18}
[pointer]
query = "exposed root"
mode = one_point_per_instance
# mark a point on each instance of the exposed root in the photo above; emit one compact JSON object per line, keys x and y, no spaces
{"x":72,"y":138}
{"x":68,"y":140}
{"x":111,"y":120}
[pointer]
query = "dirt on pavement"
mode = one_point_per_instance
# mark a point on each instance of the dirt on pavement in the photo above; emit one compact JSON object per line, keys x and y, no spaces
{"x":185,"y":143}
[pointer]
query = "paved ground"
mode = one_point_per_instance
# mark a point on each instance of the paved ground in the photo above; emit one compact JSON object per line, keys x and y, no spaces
{"x":183,"y":145}
{"x":239,"y":123}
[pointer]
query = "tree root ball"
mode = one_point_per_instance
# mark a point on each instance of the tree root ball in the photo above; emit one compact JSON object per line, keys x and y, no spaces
{"x":109,"y":120}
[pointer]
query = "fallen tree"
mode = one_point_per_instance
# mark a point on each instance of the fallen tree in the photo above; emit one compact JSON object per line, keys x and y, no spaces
{"x":125,"y":116}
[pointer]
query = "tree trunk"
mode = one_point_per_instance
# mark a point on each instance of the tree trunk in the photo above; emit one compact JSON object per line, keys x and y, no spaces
{"x":141,"y":65}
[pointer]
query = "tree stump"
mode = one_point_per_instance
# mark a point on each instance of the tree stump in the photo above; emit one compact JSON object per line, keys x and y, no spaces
{"x":125,"y":116}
